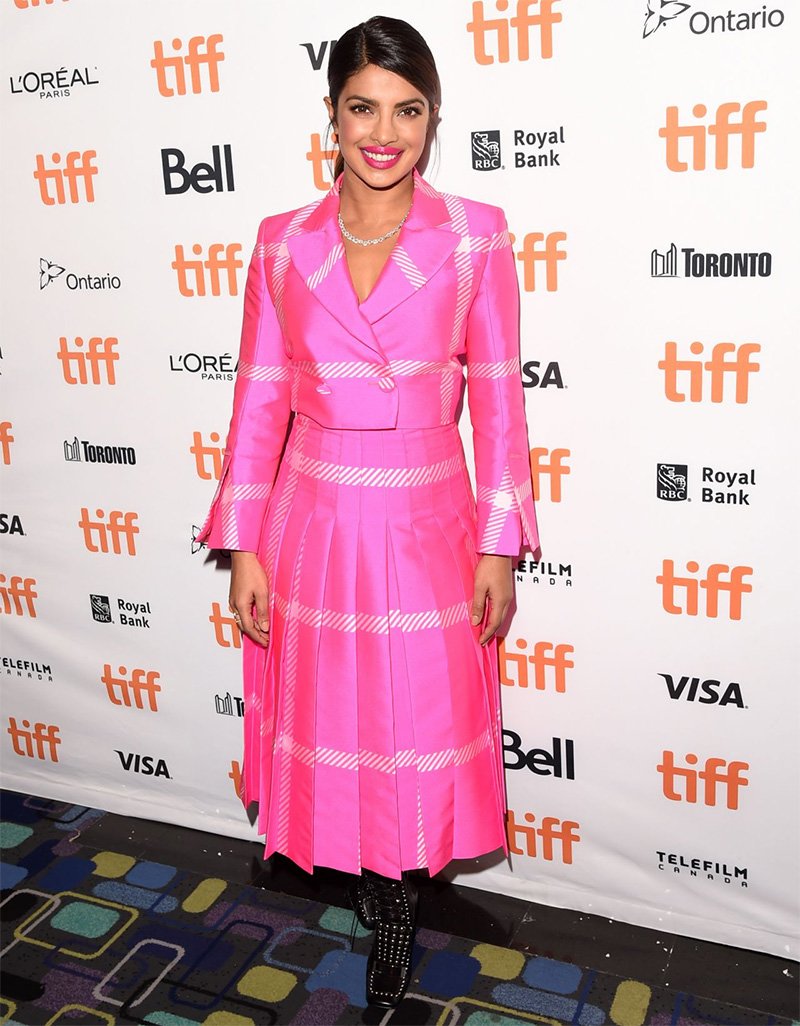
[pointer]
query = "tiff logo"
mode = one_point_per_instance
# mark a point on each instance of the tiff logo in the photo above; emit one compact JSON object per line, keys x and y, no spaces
{"x":548,"y":254}
{"x":236,"y":776}
{"x":17,"y":596}
{"x":722,"y":128}
{"x":202,"y":452}
{"x":543,"y":19}
{"x":24,"y":5}
{"x":132,"y":692}
{"x":38,"y":742}
{"x":541,"y":841}
{"x":718,"y":370}
{"x":318,"y":158}
{"x":215,"y":264}
{"x":96,"y":533}
{"x":554,"y":468}
{"x":713,"y":584}
{"x":6,"y":438}
{"x":100,"y":359}
{"x":78,"y":174}
{"x":201,"y":52}
{"x":226,"y":630}
{"x":546,"y":655}
{"x":712,"y":775}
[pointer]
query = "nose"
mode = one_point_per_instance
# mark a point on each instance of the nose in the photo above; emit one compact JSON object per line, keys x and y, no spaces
{"x":383,"y":133}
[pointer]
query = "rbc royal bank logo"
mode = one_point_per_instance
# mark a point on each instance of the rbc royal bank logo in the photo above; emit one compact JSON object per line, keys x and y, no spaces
{"x":672,"y":481}
{"x":486,"y":154}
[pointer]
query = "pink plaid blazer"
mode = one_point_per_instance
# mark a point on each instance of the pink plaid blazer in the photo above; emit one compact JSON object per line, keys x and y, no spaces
{"x":447,"y":299}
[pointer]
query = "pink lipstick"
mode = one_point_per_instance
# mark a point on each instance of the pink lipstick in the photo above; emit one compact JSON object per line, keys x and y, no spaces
{"x":381,"y":157}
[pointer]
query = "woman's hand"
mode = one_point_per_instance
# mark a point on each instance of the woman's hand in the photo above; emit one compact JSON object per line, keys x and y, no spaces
{"x":493,"y":581}
{"x":249,"y":594}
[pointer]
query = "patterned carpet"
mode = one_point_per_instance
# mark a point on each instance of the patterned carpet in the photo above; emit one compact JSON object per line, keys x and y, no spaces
{"x":97,"y":937}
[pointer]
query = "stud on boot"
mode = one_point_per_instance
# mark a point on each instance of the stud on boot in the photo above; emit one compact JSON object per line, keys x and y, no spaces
{"x":389,"y":963}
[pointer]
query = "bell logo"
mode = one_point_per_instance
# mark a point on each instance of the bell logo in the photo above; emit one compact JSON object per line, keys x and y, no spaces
{"x":514,"y":665}
{"x":712,"y":584}
{"x":202,"y":452}
{"x":541,"y":841}
{"x":226,"y":630}
{"x":100,"y":358}
{"x":718,"y":370}
{"x":721,"y":129}
{"x":318,"y":157}
{"x":543,"y":18}
{"x":215,"y":264}
{"x":122,"y":691}
{"x":96,"y":533}
{"x":711,"y":775}
{"x":554,"y":467}
{"x":40,"y":741}
{"x":533,"y":253}
{"x":6,"y":438}
{"x":78,"y":172}
{"x":17,"y":596}
{"x":201,"y":52}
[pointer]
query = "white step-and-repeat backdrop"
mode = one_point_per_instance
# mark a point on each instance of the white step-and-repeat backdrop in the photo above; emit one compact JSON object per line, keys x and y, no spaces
{"x":646,"y":156}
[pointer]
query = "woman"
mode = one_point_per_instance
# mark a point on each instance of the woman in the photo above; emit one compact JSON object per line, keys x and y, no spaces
{"x":367,"y":582}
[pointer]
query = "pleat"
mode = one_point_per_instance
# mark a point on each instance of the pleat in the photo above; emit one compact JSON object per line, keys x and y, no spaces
{"x":384,"y":750}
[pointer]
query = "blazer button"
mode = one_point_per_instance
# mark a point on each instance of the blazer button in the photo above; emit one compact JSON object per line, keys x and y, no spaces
{"x":323,"y":389}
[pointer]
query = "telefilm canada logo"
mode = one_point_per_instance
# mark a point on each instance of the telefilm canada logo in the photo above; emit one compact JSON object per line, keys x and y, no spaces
{"x":688,"y":262}
{"x":664,"y":13}
{"x":542,"y":572}
{"x":54,"y":84}
{"x":702,"y":868}
{"x":26,"y":669}
{"x":50,"y":271}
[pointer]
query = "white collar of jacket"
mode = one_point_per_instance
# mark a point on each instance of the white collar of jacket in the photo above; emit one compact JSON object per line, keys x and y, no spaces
{"x":426,"y":241}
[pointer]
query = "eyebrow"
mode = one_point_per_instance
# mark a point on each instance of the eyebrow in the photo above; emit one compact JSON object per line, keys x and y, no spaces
{"x":375,"y":103}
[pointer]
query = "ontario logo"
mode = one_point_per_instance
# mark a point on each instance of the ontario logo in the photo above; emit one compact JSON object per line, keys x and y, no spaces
{"x":49,"y":271}
{"x":661,"y":12}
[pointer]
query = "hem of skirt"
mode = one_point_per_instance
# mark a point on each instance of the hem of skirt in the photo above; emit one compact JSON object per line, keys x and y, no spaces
{"x":355,"y":869}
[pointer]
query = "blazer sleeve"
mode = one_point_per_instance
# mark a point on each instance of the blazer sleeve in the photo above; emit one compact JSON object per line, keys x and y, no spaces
{"x":506,"y":515}
{"x":261,"y":409}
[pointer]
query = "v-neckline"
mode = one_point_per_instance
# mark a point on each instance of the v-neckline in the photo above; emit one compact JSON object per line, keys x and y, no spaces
{"x":360,"y":302}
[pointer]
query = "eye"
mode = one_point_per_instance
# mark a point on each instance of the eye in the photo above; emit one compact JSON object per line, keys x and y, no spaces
{"x":412,"y":111}
{"x":359,"y":108}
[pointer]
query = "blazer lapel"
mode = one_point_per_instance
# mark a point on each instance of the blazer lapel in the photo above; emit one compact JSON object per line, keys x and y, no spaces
{"x":424,"y":244}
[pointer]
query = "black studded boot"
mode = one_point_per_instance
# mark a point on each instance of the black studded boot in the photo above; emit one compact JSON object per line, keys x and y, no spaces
{"x":362,"y":898}
{"x":389,"y":963}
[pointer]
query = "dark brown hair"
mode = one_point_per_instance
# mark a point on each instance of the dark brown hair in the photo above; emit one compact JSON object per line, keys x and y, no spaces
{"x":388,"y":43}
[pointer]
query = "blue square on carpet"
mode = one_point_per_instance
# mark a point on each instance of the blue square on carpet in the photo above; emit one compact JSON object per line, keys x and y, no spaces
{"x":344,"y":971}
{"x":65,"y":874}
{"x":150,"y":874}
{"x":11,"y":875}
{"x":547,"y":973}
{"x":449,"y":975}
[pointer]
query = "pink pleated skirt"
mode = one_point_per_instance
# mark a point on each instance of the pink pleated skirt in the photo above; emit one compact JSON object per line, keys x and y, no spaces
{"x":372,"y":721}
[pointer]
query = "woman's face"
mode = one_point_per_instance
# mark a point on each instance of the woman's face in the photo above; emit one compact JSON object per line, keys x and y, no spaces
{"x":382,"y":123}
